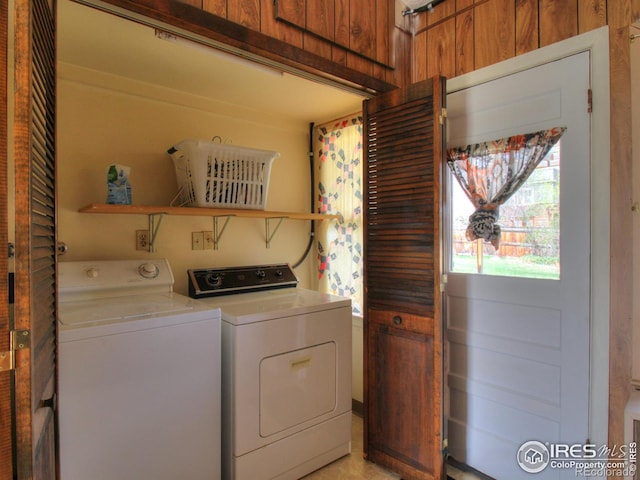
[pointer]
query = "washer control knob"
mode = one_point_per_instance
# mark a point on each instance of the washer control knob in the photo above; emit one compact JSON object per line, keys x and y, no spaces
{"x":92,"y":272}
{"x":148,"y":270}
{"x":260,"y":274}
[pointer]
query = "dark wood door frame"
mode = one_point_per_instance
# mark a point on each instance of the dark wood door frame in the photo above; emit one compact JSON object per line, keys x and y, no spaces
{"x":6,"y":460}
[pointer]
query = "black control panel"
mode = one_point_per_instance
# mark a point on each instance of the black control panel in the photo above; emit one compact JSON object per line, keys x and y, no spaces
{"x":209,"y":282}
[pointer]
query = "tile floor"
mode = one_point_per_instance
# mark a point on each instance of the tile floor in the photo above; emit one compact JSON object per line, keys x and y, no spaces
{"x":355,"y":467}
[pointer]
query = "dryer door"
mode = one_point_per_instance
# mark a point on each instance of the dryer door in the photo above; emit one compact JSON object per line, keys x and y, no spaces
{"x":283,"y":376}
{"x":297,"y":386}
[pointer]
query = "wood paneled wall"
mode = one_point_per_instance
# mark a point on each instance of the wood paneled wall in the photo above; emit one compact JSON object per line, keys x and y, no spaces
{"x":460,"y":36}
{"x":620,"y":14}
{"x":356,"y":34}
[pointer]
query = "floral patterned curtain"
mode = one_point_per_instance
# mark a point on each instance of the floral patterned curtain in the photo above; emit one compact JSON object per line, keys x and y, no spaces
{"x":338,"y":169}
{"x":491,"y":172}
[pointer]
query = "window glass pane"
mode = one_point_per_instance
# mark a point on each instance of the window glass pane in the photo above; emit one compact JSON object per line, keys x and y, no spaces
{"x":530,"y":221}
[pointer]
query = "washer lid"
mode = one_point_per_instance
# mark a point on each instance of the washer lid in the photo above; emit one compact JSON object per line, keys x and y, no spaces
{"x":118,"y":309}
{"x":253,"y":307}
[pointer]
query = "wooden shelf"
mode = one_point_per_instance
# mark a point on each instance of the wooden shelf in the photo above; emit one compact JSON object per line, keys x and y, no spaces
{"x":201,"y":212}
{"x":156,"y":213}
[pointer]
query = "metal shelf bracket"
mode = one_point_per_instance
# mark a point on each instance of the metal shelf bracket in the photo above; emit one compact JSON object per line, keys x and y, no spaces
{"x":154,"y":226}
{"x":267,"y":226}
{"x":218,"y":231}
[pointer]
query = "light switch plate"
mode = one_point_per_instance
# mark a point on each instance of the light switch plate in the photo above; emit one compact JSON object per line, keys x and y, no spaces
{"x":208,"y":240}
{"x":197,"y":240}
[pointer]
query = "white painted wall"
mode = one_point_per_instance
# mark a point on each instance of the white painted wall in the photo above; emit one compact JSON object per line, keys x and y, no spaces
{"x":357,"y":339}
{"x":105,"y":119}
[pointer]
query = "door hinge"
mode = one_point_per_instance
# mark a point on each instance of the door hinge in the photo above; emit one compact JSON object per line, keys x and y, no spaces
{"x":443,"y":282}
{"x":589,"y":101}
{"x":443,"y":115}
{"x":18,"y":340}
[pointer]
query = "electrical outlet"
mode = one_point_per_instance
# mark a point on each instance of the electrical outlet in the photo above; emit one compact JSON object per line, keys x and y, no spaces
{"x":208,"y":240}
{"x":142,"y":240}
{"x":197,"y":240}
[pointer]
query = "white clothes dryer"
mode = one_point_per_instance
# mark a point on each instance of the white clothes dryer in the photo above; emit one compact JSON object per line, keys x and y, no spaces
{"x":139,"y":375}
{"x":286,"y":371}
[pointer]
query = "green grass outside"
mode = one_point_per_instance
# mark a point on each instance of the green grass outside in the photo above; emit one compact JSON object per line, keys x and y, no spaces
{"x":529,"y":266}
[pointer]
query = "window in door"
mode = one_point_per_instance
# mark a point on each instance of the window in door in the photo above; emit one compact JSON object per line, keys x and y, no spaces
{"x":530,"y":223}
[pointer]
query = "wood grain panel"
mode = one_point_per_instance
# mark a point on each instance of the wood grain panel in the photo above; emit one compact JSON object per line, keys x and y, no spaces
{"x":320,"y":18}
{"x":342,"y":22}
{"x":441,"y":49}
{"x":245,"y":12}
{"x":418,"y":22}
{"x":291,"y":11}
{"x":620,"y":14}
{"x":526,"y":26}
{"x":462,"y":4}
{"x":440,"y":12}
{"x":384,"y":11}
{"x":403,"y":403}
{"x":217,"y":7}
{"x":358,"y":26}
{"x":35,"y":227}
{"x":6,"y":472}
{"x":413,"y":323}
{"x":254,"y":42}
{"x":359,"y":63}
{"x":400,"y":207}
{"x":419,"y":57}
{"x":464,"y":43}
{"x":362,"y":24}
{"x":195,"y":3}
{"x":318,"y":46}
{"x":558,"y":20}
{"x":47,"y":462}
{"x":403,"y":351}
{"x":494,"y":33}
{"x":592,"y":14}
{"x":621,"y":274}
{"x":401,"y":55}
{"x":269,"y":25}
{"x":339,"y":55}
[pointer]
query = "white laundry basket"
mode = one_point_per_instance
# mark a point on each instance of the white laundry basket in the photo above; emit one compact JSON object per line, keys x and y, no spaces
{"x":217,"y":175}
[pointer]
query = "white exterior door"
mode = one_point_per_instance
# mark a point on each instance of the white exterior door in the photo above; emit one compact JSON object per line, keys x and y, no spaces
{"x":519,"y":347}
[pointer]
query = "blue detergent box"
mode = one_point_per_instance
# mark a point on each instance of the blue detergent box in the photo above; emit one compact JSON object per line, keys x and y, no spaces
{"x":118,"y":186}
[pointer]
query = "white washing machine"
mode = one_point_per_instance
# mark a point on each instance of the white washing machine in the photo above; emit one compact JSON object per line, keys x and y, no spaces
{"x":139,"y":375}
{"x":286,"y":371}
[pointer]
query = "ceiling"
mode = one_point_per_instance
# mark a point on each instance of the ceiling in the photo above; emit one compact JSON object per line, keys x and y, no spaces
{"x":93,"y":39}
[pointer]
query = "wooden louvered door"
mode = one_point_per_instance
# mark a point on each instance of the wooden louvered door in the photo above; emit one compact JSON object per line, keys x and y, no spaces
{"x":404,"y":141}
{"x":35,"y":237}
